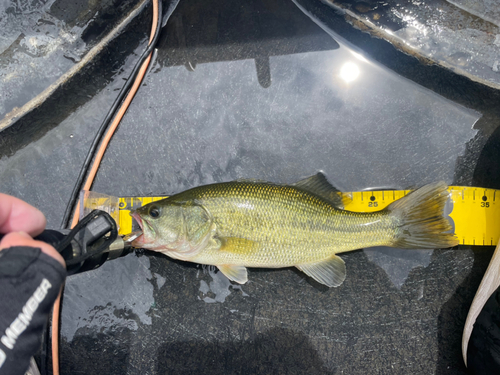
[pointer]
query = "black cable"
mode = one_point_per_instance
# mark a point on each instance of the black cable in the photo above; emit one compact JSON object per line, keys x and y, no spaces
{"x":104,"y":126}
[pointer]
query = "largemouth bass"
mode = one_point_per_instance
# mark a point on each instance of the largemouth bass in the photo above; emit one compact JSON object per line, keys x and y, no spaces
{"x":246,"y":223}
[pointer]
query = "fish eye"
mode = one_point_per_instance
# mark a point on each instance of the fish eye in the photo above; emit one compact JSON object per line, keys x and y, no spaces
{"x":154,"y":212}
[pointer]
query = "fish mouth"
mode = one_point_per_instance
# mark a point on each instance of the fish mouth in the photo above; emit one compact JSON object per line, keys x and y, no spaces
{"x":139,"y":241}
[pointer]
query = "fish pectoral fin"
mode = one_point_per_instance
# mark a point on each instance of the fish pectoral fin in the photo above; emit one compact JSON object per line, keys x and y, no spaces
{"x":319,"y":185}
{"x":235,"y":273}
{"x":330,"y":272}
{"x":237,"y":245}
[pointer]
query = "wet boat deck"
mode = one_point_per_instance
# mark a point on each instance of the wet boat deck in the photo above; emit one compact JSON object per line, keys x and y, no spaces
{"x":257,"y":90}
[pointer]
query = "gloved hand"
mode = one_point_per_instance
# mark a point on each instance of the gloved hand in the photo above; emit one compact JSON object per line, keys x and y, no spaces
{"x":31,"y":275}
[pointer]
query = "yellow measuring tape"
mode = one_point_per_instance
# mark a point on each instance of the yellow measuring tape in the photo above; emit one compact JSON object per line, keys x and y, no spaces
{"x":475,"y":211}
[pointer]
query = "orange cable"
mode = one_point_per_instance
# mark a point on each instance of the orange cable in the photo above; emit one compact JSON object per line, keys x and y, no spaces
{"x":91,"y":176}
{"x":55,"y":333}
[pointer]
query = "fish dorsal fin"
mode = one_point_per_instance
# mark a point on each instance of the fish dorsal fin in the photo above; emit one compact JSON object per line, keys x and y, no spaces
{"x":234,"y":273}
{"x":319,"y":185}
{"x":330,"y":272}
{"x":251,"y":180}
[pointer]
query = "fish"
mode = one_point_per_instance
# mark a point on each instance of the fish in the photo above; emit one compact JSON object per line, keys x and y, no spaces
{"x":253,"y":223}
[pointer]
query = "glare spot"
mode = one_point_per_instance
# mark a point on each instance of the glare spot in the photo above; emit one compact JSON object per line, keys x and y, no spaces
{"x":349,"y":72}
{"x":359,"y":56}
{"x":245,"y":205}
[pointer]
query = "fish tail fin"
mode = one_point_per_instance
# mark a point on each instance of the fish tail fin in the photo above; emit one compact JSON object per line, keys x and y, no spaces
{"x":421,"y":220}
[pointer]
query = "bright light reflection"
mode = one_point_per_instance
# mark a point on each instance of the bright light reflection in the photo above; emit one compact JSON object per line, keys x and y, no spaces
{"x":358,"y":56}
{"x":245,"y":205}
{"x":349,"y":72}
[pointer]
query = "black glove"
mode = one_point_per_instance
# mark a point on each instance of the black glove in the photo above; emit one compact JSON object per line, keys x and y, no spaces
{"x":29,"y":284}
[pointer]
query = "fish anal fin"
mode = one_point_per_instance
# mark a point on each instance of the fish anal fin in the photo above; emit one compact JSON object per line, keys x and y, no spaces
{"x":235,"y":273}
{"x":319,"y":185}
{"x":330,"y":272}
